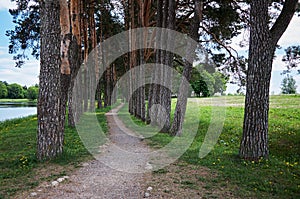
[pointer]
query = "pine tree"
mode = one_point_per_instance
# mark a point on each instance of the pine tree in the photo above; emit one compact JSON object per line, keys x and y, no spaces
{"x":263,"y":41}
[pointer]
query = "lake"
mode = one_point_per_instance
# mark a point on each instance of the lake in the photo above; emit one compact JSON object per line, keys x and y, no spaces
{"x":12,"y":110}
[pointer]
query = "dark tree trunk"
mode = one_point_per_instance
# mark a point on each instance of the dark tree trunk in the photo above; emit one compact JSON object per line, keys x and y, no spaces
{"x":49,"y":135}
{"x":154,"y":97}
{"x":75,"y":66}
{"x":167,"y":76}
{"x":176,"y":128}
{"x":65,"y":81}
{"x":99,"y":94}
{"x":254,"y":143}
{"x":85,"y":89}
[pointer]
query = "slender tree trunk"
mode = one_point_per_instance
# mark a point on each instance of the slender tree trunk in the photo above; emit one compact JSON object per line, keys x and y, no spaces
{"x":167,"y":76}
{"x":49,"y":135}
{"x":94,"y":69}
{"x":254,"y":143}
{"x":65,"y":79}
{"x":156,"y":75}
{"x":176,"y":128}
{"x":132,"y":58}
{"x":75,"y":58}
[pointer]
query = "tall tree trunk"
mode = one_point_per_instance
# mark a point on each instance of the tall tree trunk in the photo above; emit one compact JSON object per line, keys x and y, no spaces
{"x":65,"y":79}
{"x":75,"y":59}
{"x":49,"y":134}
{"x":94,"y":70}
{"x":176,"y":128}
{"x":132,"y":58}
{"x":167,"y":76}
{"x":254,"y":143}
{"x":153,"y":97}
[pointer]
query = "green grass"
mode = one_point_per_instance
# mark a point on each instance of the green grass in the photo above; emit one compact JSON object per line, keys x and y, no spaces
{"x":19,"y":167}
{"x":277,"y":177}
{"x":17,"y":100}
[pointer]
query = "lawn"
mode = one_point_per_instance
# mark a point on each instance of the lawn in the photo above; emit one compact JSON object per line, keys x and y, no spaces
{"x":19,"y":167}
{"x":276,"y":177}
{"x":17,"y":100}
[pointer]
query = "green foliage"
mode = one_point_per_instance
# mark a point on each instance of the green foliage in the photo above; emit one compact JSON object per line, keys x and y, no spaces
{"x":32,"y":93}
{"x":3,"y":90}
{"x":206,"y":83}
{"x":220,"y":82}
{"x":292,"y":57}
{"x":288,"y":85}
{"x":15,"y":91}
{"x":26,"y":34}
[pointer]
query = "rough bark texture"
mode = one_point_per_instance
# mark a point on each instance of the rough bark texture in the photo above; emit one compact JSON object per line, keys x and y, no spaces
{"x":167,"y":76}
{"x":65,"y":26}
{"x":94,"y":70}
{"x":49,"y":135}
{"x":154,"y":88}
{"x":65,"y":68}
{"x":176,"y":128}
{"x":254,"y":143}
{"x":75,"y":61}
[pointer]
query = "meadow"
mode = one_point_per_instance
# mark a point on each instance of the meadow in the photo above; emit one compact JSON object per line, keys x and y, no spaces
{"x":20,"y":170}
{"x":276,"y":177}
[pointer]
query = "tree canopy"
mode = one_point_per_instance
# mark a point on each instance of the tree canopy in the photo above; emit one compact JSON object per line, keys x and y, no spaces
{"x":288,"y":85}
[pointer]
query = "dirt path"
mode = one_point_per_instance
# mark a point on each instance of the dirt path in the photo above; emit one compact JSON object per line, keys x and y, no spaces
{"x":112,"y":175}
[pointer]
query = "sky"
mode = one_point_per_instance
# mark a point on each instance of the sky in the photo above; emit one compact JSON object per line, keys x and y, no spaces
{"x":28,"y":74}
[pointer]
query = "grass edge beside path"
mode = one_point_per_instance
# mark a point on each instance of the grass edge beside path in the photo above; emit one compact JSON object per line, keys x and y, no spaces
{"x":20,"y":170}
{"x":277,"y":177}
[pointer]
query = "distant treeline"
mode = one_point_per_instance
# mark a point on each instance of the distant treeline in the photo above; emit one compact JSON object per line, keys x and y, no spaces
{"x":16,"y":91}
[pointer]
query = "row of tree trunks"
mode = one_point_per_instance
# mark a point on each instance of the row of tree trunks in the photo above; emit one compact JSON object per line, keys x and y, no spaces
{"x":160,"y":94}
{"x":153,"y":97}
{"x":181,"y":104}
{"x":60,"y":63}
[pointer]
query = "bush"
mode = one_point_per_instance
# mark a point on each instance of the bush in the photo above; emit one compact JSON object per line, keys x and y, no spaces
{"x":15,"y":91}
{"x":32,"y":93}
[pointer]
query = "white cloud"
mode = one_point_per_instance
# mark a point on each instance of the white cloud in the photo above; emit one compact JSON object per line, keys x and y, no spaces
{"x":291,"y":35}
{"x":278,"y":64}
{"x":7,"y":4}
{"x":27,"y":75}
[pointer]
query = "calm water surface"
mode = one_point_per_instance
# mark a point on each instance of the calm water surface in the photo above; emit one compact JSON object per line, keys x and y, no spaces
{"x":16,"y":110}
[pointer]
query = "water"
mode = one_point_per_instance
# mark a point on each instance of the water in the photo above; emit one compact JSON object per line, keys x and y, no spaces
{"x":16,"y":110}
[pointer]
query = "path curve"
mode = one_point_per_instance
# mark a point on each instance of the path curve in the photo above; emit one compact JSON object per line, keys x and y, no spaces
{"x":97,"y":180}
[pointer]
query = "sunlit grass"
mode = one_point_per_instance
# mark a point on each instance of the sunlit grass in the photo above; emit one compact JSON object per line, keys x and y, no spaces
{"x":16,"y":100}
{"x":277,"y":177}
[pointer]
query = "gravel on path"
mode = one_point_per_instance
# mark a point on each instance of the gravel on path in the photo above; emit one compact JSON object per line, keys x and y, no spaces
{"x":111,"y":175}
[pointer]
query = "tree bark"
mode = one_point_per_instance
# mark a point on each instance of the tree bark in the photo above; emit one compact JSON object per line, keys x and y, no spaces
{"x":154,"y":90}
{"x":168,"y":61}
{"x":65,"y":68}
{"x":176,"y":128}
{"x":254,"y":143}
{"x":75,"y":59}
{"x":49,"y":134}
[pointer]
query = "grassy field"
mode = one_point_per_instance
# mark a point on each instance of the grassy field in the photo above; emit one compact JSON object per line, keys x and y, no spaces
{"x":17,"y":100}
{"x":277,"y":177}
{"x":19,"y":167}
